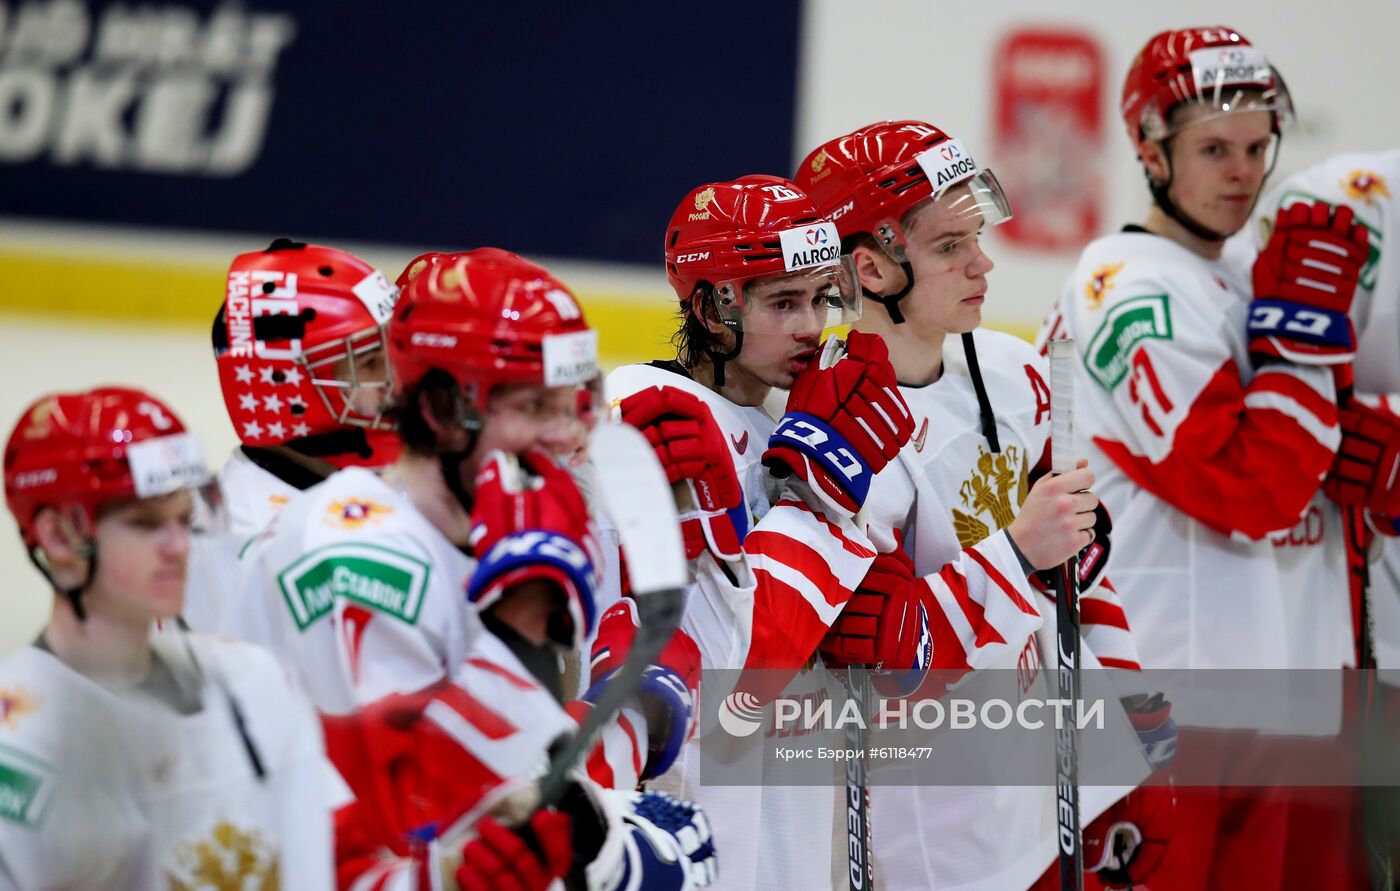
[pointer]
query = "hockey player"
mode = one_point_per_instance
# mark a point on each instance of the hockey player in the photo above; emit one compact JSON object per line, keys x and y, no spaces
{"x":758,"y":276}
{"x":1362,"y":484}
{"x":1206,"y":404}
{"x":299,"y":344}
{"x":971,"y":488}
{"x":363,"y":573}
{"x":435,"y":729}
{"x":1362,"y":475}
{"x":131,"y":758}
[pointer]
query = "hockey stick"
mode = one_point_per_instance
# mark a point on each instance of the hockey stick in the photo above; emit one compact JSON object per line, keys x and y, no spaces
{"x":1062,"y":459}
{"x":859,"y":868}
{"x":638,"y":501}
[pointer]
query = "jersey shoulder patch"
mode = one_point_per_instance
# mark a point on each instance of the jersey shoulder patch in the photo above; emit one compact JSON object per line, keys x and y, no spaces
{"x":1123,"y":293}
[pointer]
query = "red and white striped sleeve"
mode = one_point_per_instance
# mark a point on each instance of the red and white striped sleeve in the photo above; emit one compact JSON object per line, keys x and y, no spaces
{"x":983,"y":613}
{"x":804,"y":569}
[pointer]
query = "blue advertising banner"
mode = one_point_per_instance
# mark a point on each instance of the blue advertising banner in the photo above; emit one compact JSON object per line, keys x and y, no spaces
{"x":551,"y":129}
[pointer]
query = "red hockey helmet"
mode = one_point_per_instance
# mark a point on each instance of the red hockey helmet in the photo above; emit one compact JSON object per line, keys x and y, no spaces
{"x":868,"y":180}
{"x":1215,"y":68}
{"x":417,"y":265}
{"x":726,"y":235}
{"x":489,"y":317}
{"x":295,"y":319}
{"x":90,"y":448}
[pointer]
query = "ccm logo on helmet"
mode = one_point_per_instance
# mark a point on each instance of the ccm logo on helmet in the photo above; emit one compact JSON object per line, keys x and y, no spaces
{"x":438,"y":341}
{"x":844,"y":209}
{"x":693,"y":258}
{"x":32,"y":478}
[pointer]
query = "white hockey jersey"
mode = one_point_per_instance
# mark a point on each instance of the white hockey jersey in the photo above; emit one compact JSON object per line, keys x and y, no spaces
{"x":245,"y":499}
{"x":1363,"y":181}
{"x":954,"y":497}
{"x":105,"y":789}
{"x":1199,"y":458}
{"x":797,"y":573}
{"x":365,"y":596}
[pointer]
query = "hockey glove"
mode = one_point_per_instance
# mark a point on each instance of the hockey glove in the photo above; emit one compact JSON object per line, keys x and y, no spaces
{"x":531,"y":524}
{"x":1127,"y":842}
{"x":886,"y":623}
{"x":670,"y":688}
{"x":499,"y":859}
{"x":691,"y":448}
{"x":1366,"y":471}
{"x":844,"y":422}
{"x":1304,"y":282}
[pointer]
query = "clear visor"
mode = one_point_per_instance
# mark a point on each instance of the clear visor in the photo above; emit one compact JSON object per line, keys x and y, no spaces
{"x":951,"y":218}
{"x":1218,"y":90}
{"x":352,"y":377}
{"x":807,"y":301}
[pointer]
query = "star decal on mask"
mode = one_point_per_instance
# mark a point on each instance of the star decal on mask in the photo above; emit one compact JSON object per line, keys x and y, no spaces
{"x":244,"y":374}
{"x":272,"y":403}
{"x":276,"y":430}
{"x":252,"y":430}
{"x":266,"y":375}
{"x":294,"y":376}
{"x":300,"y":430}
{"x":248,"y":402}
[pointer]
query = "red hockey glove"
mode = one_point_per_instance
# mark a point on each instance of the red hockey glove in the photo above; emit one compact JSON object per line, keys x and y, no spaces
{"x":1304,"y":283}
{"x":886,"y":623}
{"x":843,"y":424}
{"x":690,"y":446}
{"x":1366,"y":471}
{"x":531,"y":524}
{"x":1127,"y":843}
{"x":499,"y":859}
{"x":670,"y":688}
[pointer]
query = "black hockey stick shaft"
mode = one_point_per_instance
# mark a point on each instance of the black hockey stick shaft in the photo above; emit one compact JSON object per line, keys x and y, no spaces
{"x":1071,"y":850}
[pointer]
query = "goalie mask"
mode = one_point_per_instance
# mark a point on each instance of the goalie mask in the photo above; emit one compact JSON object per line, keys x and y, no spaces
{"x":299,"y":343}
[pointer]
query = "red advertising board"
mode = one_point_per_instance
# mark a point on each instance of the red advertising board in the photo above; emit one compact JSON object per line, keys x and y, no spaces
{"x":1047,"y":135}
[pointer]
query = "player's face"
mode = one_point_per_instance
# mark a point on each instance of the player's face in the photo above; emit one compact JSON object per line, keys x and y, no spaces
{"x":783,"y":320}
{"x":143,"y":550}
{"x":369,"y":370}
{"x":1218,"y":165}
{"x":521,"y":417}
{"x":943,"y":244}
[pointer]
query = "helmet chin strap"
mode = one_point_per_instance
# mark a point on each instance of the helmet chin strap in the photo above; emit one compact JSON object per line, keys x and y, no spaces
{"x":891,"y":301}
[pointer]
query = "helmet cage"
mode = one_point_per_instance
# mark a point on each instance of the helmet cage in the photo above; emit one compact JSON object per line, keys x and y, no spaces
{"x":339,"y":394}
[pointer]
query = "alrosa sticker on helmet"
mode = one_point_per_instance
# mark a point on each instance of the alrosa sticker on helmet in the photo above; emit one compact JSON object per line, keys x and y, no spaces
{"x":378,"y":296}
{"x":166,"y":464}
{"x":1225,"y":66}
{"x":570,"y":358}
{"x":947,"y":164}
{"x":806,"y":246}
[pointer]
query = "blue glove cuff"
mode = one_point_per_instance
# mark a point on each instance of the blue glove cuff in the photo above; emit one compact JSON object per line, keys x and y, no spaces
{"x":1299,"y":322}
{"x":820,"y":442}
{"x":542,"y":548}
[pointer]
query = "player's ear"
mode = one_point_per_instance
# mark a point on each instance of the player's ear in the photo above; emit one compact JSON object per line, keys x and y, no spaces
{"x":64,"y":548}
{"x":879,"y":274}
{"x":442,"y":410}
{"x":702,"y":309}
{"x":1153,"y":155}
